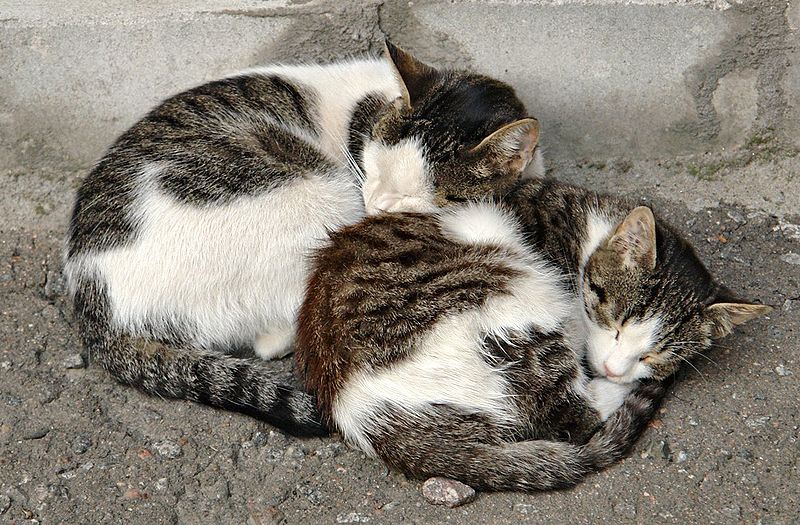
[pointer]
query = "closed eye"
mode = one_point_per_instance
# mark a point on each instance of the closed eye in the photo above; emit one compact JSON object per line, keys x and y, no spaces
{"x":455,"y":198}
{"x":648,"y":357}
{"x":598,"y":291}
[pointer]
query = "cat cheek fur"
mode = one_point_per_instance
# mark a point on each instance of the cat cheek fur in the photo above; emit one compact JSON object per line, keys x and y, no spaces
{"x":621,"y":355}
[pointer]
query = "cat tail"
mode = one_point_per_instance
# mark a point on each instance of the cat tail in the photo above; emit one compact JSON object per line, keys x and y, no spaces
{"x":249,"y":386}
{"x":443,"y":441}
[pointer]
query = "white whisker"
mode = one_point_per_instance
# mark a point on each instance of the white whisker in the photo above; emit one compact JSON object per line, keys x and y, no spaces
{"x":690,"y":364}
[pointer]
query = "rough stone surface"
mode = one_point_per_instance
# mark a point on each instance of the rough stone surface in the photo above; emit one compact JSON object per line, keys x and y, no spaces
{"x":78,"y":85}
{"x":74,"y":361}
{"x":793,"y":15}
{"x":606,"y":77}
{"x":791,"y":79}
{"x":791,"y":86}
{"x":448,"y":492}
{"x":573,"y":66}
{"x":734,"y":457}
{"x":168,"y":449}
{"x":736,"y":104}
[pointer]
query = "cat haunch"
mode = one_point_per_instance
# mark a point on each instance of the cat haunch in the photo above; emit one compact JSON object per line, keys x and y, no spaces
{"x":191,"y":237}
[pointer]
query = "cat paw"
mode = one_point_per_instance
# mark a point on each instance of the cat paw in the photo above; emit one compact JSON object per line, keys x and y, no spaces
{"x":397,"y":202}
{"x":275,"y":344}
{"x":606,"y":396}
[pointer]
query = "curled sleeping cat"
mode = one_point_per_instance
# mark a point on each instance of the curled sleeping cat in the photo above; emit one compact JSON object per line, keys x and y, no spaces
{"x":451,"y":344}
{"x":190,"y":238}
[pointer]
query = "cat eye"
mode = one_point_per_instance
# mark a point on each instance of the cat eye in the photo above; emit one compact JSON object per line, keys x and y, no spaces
{"x":455,"y":198}
{"x":598,"y":291}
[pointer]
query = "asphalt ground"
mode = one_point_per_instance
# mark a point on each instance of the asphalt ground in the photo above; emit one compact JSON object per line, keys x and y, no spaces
{"x":76,"y":447}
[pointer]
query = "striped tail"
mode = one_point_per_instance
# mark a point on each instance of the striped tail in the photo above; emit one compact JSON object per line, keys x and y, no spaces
{"x":250,"y":386}
{"x":442,"y":441}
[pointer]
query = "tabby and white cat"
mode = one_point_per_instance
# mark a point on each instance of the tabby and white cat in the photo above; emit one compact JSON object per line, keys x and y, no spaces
{"x":451,"y":344}
{"x":195,"y":228}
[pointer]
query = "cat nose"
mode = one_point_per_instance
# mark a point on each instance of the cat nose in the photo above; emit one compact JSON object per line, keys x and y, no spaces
{"x":609,"y":372}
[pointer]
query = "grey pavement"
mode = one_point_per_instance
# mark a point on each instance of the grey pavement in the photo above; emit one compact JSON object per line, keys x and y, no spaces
{"x":690,"y":106}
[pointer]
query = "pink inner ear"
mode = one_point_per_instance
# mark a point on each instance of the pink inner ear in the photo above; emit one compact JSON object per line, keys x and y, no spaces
{"x":634,"y":239}
{"x":528,"y":143}
{"x":518,"y":163}
{"x":523,"y":138}
{"x":527,"y":140}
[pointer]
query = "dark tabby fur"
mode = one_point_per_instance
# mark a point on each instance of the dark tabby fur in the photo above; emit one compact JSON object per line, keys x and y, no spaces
{"x":694,"y":308}
{"x":243,"y":137}
{"x":248,"y":386}
{"x":384,"y":283}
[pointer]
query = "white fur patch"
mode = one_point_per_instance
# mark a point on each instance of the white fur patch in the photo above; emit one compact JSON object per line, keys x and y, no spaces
{"x":598,"y":228}
{"x":229,"y":273}
{"x":481,"y":223}
{"x":539,"y":296}
{"x":621,"y":355}
{"x":606,"y":397}
{"x":275,"y":344}
{"x":448,"y":366}
{"x":396,"y":178}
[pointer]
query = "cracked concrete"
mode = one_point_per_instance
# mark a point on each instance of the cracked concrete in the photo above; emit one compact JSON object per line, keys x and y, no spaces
{"x":692,"y":106}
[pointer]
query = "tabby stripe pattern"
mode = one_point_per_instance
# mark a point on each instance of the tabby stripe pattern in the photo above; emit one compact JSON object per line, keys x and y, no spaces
{"x":249,"y":386}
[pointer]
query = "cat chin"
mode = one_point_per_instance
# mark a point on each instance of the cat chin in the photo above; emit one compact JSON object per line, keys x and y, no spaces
{"x":624,"y":380}
{"x":640,"y":371}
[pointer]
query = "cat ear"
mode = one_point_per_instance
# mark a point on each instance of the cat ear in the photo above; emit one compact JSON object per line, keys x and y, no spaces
{"x":416,"y":78}
{"x":513,"y":143}
{"x":635,"y":239}
{"x":726,"y":316}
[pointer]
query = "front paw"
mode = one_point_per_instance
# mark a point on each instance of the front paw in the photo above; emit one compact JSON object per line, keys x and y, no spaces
{"x":274,"y":344}
{"x":397,"y":202}
{"x":607,"y":396}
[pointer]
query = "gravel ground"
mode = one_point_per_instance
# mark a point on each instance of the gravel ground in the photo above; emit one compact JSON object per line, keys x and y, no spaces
{"x":76,"y":447}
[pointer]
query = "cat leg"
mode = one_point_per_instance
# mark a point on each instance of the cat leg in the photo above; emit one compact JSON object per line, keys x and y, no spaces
{"x":275,"y":344}
{"x":444,"y":441}
{"x":607,"y":396}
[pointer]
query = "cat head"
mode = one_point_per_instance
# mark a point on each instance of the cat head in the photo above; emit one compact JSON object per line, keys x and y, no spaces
{"x":452,"y":136}
{"x":650,"y":304}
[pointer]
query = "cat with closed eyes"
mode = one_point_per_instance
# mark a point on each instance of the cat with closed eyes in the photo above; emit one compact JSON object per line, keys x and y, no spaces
{"x":189,"y":240}
{"x":452,"y":343}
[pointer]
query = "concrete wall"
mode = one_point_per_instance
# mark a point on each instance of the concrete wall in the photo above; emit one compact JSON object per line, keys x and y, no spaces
{"x":643,"y":79}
